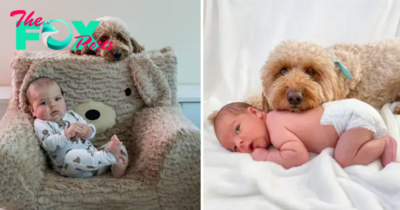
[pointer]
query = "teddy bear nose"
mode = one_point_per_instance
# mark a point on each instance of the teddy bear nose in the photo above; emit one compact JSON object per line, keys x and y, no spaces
{"x":294,"y":97}
{"x":117,"y":54}
{"x":92,"y":114}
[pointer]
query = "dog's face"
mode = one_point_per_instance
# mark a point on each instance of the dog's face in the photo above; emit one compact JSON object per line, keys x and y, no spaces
{"x":298,"y":76}
{"x":113,"y":30}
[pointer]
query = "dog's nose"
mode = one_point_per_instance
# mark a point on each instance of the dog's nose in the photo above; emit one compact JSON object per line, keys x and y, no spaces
{"x":117,"y":54}
{"x":294,"y":97}
{"x":92,"y":114}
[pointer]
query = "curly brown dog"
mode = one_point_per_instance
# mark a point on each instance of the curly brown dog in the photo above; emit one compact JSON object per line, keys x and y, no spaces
{"x":301,"y":75}
{"x":113,"y":30}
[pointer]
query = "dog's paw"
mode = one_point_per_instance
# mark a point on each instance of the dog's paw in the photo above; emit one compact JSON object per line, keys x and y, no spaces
{"x":77,"y":52}
{"x":85,"y":50}
{"x":73,"y":51}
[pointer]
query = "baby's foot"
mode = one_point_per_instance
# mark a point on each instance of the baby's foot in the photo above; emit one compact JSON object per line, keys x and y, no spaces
{"x":115,"y":147}
{"x":390,"y":152}
{"x":118,"y":169}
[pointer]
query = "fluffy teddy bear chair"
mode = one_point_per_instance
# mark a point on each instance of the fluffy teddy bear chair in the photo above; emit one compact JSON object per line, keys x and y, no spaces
{"x":135,"y":99}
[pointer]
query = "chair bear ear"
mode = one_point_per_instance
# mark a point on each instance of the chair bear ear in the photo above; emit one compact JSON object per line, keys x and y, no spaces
{"x":150,"y":82}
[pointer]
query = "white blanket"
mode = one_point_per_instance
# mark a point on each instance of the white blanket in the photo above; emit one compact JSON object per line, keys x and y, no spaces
{"x":234,"y":181}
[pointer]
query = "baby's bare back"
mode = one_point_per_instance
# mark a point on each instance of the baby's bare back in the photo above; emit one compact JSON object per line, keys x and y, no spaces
{"x":305,"y":126}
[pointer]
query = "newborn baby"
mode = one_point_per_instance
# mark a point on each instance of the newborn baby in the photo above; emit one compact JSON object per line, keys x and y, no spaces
{"x":354,"y":128}
{"x":66,"y":136}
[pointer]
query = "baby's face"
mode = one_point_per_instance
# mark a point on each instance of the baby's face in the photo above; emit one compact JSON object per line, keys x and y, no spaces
{"x":47,"y":103}
{"x":244,"y":132}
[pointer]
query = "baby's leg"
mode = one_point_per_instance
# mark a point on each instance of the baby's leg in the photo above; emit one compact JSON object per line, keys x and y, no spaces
{"x":390,"y":153}
{"x":81,"y":163}
{"x":115,"y":147}
{"x":86,"y":163}
{"x":356,"y":147}
{"x":118,"y":169}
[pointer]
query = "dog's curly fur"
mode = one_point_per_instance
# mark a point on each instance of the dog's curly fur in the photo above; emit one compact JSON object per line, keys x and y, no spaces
{"x":375,"y":68}
{"x":114,"y":30}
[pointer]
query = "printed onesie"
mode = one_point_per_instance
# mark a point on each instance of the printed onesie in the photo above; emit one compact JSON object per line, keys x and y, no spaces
{"x":72,"y":158}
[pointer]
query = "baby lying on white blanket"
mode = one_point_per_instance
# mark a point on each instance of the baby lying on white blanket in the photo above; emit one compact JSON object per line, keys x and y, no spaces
{"x":354,"y":128}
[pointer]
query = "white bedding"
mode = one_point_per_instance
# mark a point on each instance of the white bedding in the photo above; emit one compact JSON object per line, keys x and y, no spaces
{"x":234,"y":181}
{"x":238,"y":36}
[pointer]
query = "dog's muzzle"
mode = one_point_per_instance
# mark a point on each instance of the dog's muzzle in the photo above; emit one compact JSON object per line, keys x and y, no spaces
{"x":117,"y":55}
{"x":294,"y":97}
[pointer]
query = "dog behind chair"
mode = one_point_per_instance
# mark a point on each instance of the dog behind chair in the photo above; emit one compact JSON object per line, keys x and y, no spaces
{"x":112,"y":29}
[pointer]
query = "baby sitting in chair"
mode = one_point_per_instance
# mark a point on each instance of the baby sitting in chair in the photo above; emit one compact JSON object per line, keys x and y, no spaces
{"x":353,"y":128}
{"x":66,"y":136}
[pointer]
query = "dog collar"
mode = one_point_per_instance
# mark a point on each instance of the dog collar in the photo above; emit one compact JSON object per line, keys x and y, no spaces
{"x":343,"y":69}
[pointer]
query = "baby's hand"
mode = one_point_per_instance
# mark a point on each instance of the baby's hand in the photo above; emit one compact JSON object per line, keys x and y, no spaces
{"x":86,"y":131}
{"x":259,"y":154}
{"x":73,"y":131}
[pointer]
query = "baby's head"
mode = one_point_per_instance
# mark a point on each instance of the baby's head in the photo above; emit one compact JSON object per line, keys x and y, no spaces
{"x":45,"y":98}
{"x":241,"y":127}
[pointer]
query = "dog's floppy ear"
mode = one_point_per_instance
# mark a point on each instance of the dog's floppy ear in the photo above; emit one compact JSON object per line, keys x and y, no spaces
{"x":264,"y":104}
{"x":150,"y":82}
{"x":137,"y":48}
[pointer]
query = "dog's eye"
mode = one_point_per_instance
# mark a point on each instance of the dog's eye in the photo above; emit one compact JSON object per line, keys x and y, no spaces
{"x":128,"y":92}
{"x":119,"y":38}
{"x":310,"y":71}
{"x":103,"y":39}
{"x":283,"y":71}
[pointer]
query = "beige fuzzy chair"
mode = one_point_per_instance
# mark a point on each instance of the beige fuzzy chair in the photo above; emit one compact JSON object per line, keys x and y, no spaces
{"x":134,"y":98}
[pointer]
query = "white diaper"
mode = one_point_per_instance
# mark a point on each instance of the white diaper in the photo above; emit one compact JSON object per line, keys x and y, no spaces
{"x":351,"y":113}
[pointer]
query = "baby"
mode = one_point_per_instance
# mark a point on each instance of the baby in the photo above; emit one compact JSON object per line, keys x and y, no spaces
{"x":353,"y":128}
{"x":66,"y":136}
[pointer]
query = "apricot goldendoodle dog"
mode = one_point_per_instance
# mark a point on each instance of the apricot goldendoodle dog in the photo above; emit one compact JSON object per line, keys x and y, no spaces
{"x":301,"y":75}
{"x":112,"y":29}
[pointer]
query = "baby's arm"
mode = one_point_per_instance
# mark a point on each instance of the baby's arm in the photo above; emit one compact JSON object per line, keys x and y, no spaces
{"x":49,"y":141}
{"x":83,"y":121}
{"x":291,"y":153}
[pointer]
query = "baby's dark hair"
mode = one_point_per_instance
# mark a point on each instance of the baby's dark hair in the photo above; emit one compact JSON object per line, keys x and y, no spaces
{"x":235,"y":108}
{"x":40,"y":82}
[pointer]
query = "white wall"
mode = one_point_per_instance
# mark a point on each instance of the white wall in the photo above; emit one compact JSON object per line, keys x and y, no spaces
{"x":154,"y":23}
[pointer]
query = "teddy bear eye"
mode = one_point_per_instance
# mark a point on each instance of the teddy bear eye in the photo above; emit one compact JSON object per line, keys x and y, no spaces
{"x":128,"y":91}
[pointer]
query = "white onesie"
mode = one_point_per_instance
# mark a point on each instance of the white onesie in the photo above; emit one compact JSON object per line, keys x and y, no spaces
{"x":351,"y":113}
{"x":71,"y":158}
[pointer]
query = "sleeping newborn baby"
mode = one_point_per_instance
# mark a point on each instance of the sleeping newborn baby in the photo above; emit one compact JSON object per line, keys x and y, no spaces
{"x":353,"y":128}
